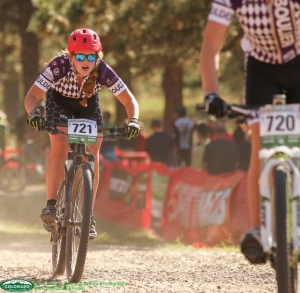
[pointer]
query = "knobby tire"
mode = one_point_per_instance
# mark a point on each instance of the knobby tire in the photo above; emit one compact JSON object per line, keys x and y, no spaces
{"x":58,"y":234}
{"x":286,"y":272}
{"x":81,"y":211}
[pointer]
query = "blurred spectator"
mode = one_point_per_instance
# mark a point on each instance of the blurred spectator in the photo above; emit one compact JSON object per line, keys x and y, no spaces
{"x":202,"y":133}
{"x":220,"y":155}
{"x":210,"y":122}
{"x":108,"y":146}
{"x":241,"y":138}
{"x":141,"y":138}
{"x":160,"y":144}
{"x":182,"y":131}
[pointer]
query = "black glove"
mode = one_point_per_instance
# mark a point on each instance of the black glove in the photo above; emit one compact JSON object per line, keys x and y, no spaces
{"x":132,"y":128}
{"x":215,"y":105}
{"x":36,"y":120}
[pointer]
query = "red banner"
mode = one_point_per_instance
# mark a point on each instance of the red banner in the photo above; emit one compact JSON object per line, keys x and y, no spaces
{"x":182,"y":203}
{"x":179,"y":217}
{"x":205,"y":208}
{"x":123,"y":196}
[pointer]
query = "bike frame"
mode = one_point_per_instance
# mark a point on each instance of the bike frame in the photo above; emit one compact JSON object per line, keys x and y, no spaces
{"x":76,"y":156}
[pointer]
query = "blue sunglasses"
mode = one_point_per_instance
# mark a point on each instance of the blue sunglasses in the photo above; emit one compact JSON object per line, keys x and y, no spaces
{"x":81,"y":57}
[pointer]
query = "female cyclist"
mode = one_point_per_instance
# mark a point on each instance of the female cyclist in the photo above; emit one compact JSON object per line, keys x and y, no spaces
{"x":71,"y":82}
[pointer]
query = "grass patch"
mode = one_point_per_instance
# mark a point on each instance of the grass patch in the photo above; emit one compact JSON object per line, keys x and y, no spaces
{"x":114,"y":234}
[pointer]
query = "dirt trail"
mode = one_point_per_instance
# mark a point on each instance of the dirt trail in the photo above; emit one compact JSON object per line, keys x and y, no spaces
{"x":25,"y":253}
{"x":129,"y":269}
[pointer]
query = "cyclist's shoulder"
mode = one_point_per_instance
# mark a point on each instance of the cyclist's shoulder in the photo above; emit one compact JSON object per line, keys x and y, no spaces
{"x":106,"y":75}
{"x":59,"y":61}
{"x":59,"y":66}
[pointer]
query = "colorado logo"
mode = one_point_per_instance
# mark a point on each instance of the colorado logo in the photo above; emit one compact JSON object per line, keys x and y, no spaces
{"x":17,"y":285}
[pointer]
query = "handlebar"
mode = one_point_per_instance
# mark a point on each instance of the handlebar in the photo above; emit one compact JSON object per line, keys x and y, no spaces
{"x":233,"y":110}
{"x":114,"y":132}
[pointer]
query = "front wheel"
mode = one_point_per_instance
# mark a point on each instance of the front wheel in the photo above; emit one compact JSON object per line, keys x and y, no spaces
{"x":78,"y":231}
{"x":286,"y":268}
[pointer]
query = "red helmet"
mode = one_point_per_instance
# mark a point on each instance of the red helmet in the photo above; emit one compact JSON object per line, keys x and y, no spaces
{"x":84,"y":39}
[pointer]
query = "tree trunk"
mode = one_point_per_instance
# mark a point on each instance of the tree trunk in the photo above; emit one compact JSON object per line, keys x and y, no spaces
{"x":12,"y":102}
{"x":30,"y":46}
{"x":172,"y":85}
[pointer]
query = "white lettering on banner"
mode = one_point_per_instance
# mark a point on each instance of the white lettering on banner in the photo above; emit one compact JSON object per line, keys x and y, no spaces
{"x":181,"y":208}
{"x":156,"y":208}
{"x":212,"y":207}
{"x":118,"y":185}
{"x":43,"y":83}
{"x":159,"y":189}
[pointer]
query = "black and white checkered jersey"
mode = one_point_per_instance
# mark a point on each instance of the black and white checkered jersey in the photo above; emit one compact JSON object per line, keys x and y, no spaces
{"x":60,"y":76}
{"x":271,"y":31}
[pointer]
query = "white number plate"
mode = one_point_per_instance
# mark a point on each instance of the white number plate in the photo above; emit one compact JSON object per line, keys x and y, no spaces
{"x":82,"y":130}
{"x":280,"y":120}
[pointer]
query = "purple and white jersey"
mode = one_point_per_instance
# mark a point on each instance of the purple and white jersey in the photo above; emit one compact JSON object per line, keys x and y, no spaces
{"x":271,"y":31}
{"x":61,"y":77}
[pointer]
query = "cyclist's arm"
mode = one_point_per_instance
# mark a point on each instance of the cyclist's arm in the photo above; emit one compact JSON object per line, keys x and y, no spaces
{"x":130,"y":103}
{"x":33,"y":97}
{"x":213,"y":39}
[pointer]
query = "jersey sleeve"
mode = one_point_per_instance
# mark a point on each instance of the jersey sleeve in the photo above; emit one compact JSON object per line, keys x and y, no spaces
{"x":221,"y":12}
{"x":110,"y":79}
{"x":45,"y":80}
{"x":54,"y":71}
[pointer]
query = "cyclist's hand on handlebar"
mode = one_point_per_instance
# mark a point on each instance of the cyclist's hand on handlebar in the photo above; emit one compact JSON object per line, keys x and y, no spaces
{"x":215,"y":105}
{"x":36,"y":120}
{"x":132,"y":128}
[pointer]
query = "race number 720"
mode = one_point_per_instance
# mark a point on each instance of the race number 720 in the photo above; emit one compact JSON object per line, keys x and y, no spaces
{"x":279,"y":123}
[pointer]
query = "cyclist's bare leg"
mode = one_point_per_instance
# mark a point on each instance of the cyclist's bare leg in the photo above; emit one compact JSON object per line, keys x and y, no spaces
{"x":54,"y":176}
{"x":250,"y":243}
{"x":253,"y":176}
{"x":55,"y":170}
{"x":96,"y":149}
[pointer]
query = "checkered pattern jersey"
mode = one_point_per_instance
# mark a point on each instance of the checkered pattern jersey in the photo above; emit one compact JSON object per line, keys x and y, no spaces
{"x":255,"y":17}
{"x":60,"y":76}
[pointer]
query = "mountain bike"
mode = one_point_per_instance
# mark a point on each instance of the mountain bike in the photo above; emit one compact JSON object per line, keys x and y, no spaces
{"x":70,"y":231}
{"x":279,"y":185}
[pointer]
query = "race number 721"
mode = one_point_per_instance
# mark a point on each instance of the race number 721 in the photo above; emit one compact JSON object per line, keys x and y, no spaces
{"x":82,"y":130}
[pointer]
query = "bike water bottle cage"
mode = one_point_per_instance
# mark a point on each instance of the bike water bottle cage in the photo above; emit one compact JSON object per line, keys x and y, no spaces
{"x":81,"y":57}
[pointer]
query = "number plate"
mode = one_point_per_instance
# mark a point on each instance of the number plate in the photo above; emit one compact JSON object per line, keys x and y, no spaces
{"x":280,"y":125}
{"x":82,"y":130}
